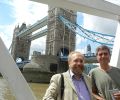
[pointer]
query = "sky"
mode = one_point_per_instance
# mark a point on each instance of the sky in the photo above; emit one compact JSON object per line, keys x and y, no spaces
{"x":15,"y":12}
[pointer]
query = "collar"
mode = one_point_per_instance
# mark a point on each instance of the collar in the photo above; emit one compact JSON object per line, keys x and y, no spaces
{"x":72,"y":74}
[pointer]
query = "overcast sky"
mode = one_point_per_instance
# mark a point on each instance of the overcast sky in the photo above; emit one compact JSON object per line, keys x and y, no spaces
{"x":15,"y":12}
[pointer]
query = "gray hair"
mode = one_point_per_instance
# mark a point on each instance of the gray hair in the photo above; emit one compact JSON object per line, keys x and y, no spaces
{"x":102,"y":47}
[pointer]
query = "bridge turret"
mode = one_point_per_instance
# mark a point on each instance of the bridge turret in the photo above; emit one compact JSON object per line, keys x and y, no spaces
{"x":20,"y":46}
{"x":88,"y":49}
{"x":23,"y":26}
{"x":59,"y":38}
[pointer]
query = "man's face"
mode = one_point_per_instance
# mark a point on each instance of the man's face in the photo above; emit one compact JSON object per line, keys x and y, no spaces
{"x":76,"y":64}
{"x":103,"y":57}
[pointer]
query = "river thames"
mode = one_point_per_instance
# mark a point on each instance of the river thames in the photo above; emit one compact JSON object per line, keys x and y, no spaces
{"x":6,"y":94}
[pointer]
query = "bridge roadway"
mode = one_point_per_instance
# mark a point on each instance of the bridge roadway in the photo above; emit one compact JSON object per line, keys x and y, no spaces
{"x":38,"y":34}
{"x":39,"y":24}
{"x":89,"y":58}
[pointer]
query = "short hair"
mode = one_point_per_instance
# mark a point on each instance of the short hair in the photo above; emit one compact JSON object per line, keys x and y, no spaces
{"x":102,"y":47}
{"x":74,"y":52}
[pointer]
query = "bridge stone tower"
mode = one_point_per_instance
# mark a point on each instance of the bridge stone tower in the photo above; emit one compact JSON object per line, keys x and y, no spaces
{"x":20,"y":46}
{"x":60,"y":40}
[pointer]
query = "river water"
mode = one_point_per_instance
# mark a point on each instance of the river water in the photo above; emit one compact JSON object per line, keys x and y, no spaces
{"x":6,"y":94}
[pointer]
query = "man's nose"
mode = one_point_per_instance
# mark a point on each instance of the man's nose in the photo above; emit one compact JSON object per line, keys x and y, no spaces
{"x":103,"y":55}
{"x":79,"y":62}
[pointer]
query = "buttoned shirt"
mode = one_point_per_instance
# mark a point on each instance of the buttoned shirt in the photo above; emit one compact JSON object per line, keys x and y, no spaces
{"x":81,"y":88}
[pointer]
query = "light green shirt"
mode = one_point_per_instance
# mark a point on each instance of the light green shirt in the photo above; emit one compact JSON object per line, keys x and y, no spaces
{"x":102,"y":82}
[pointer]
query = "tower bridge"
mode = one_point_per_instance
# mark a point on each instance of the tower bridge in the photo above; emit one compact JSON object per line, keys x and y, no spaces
{"x":60,"y":27}
{"x":27,"y":32}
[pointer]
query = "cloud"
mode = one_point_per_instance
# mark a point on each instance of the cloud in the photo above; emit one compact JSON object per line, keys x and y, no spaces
{"x":100,"y":24}
{"x":23,"y":11}
{"x":94,"y":23}
{"x":29,"y":12}
{"x":6,"y":32}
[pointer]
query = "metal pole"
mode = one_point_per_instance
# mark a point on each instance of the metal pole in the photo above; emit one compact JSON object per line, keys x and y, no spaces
{"x":12,"y":74}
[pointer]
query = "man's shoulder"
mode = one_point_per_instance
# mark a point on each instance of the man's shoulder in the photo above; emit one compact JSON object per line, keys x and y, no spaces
{"x":58,"y":75}
{"x":94,"y":70}
{"x":85,"y":76}
{"x":115,"y":68}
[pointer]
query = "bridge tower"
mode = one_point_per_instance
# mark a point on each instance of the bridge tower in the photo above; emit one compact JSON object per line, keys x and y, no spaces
{"x":88,"y":49}
{"x":20,"y":46}
{"x":60,"y":40}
